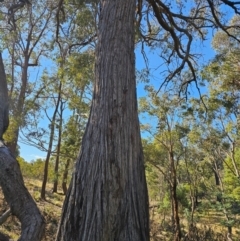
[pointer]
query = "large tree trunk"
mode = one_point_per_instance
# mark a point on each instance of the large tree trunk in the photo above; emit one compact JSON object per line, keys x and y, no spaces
{"x":107,"y":198}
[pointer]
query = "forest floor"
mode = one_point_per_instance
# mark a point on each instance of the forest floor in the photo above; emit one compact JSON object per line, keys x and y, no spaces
{"x":207,"y":227}
{"x":52,"y":207}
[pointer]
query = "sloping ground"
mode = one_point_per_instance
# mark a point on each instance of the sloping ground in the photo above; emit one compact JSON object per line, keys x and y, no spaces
{"x":207,"y":227}
{"x":207,"y":224}
{"x":51,"y":209}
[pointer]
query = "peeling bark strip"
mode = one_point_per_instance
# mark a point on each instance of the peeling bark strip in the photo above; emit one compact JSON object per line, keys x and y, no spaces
{"x":20,"y":201}
{"x":107,"y":198}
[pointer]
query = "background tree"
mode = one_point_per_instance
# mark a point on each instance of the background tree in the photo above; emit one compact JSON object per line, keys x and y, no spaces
{"x":86,"y":178}
{"x":26,"y":41}
{"x":167,"y":139}
{"x":171,"y":28}
{"x":12,"y":183}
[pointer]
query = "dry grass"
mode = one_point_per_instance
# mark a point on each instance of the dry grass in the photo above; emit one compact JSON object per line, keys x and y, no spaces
{"x":206,"y":224}
{"x":51,"y":209}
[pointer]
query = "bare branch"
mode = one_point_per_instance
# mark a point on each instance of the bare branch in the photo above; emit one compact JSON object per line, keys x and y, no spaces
{"x":5,"y":216}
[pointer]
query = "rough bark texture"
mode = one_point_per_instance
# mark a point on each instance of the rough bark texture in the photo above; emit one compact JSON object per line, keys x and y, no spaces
{"x":4,"y":121}
{"x":65,"y":175}
{"x":107,"y":198}
{"x":20,"y":201}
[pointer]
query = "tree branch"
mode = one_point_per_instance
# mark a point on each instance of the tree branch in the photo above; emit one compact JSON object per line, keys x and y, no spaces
{"x":20,"y":201}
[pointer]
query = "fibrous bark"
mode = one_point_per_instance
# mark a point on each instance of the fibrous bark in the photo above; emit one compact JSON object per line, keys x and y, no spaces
{"x":4,"y":121}
{"x":107,"y":198}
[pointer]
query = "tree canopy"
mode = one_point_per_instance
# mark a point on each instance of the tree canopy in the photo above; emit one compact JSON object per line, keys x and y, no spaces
{"x":70,"y":71}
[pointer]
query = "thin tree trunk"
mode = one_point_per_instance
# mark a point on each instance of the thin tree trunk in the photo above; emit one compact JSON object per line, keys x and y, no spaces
{"x":4,"y":103}
{"x":65,"y":175}
{"x":55,"y":184}
{"x":18,"y":111}
{"x":177,"y":227}
{"x":12,"y":70}
{"x":232,"y":156}
{"x":27,"y":43}
{"x":52,"y":129}
{"x":107,"y":199}
{"x":219,"y":198}
{"x":193,"y":196}
{"x":217,"y":181}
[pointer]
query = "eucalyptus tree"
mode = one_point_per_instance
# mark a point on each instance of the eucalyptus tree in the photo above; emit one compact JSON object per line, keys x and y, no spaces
{"x":110,"y":167}
{"x":109,"y":180}
{"x":63,"y":95}
{"x":168,"y":138}
{"x":26,"y":36}
{"x":78,"y":94}
{"x":67,"y":49}
{"x":70,"y":146}
{"x":75,"y":43}
{"x":221,"y":75}
{"x":59,"y":102}
{"x":11,"y":181}
{"x":223,"y":72}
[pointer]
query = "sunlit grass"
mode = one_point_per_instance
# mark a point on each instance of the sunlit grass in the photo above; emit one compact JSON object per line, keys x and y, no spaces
{"x":51,"y":209}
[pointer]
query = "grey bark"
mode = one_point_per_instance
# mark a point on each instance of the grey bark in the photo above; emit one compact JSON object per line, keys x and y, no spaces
{"x":5,"y":216}
{"x":18,"y":110}
{"x":56,"y":167}
{"x":20,"y":201}
{"x":107,"y":198}
{"x":50,"y":144}
{"x":4,"y":120}
{"x":65,"y":175}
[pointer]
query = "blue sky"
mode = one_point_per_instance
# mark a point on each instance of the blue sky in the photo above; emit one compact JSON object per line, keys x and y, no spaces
{"x":30,"y":153}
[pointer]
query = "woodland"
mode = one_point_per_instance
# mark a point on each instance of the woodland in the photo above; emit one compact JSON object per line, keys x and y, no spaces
{"x":118,"y":167}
